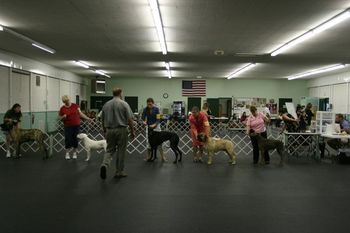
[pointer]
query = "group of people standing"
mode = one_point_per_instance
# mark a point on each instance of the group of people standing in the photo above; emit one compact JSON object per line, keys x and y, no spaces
{"x":117,"y":116}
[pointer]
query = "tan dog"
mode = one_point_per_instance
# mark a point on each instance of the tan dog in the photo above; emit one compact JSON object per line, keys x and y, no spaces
{"x":217,"y":144}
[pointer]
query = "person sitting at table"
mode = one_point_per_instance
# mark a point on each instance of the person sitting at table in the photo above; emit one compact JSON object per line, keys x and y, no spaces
{"x":344,"y":126}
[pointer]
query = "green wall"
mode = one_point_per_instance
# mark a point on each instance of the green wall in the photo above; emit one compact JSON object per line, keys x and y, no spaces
{"x":155,"y":87}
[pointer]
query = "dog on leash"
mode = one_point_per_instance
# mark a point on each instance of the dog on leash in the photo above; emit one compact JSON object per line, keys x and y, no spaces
{"x":91,"y":144}
{"x":265,"y":144}
{"x":217,"y":144}
{"x":156,"y":139}
{"x":19,"y":136}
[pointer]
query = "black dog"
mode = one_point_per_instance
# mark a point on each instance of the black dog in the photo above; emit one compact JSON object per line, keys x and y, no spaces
{"x":156,"y":138}
{"x":268,"y":144}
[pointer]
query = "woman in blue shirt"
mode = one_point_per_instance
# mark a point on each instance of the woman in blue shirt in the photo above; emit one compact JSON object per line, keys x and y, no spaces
{"x":151,"y":117}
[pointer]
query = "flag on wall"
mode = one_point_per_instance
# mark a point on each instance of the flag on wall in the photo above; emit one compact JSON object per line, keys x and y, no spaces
{"x":194,"y":88}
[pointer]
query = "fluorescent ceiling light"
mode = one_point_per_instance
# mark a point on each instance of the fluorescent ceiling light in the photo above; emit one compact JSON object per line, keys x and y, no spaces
{"x":317,"y":71}
{"x":241,"y":70}
{"x":333,"y":21}
{"x":167,"y":65}
{"x":169,"y":74}
{"x":43,"y":47}
{"x":159,"y":24}
{"x":82,"y":64}
{"x":25,"y":38}
{"x":102,"y":73}
{"x":320,"y":28}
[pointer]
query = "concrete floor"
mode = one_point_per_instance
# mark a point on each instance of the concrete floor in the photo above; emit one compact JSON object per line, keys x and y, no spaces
{"x":69,"y":196}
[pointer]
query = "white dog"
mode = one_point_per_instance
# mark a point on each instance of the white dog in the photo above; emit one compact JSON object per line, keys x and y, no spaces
{"x":91,"y":144}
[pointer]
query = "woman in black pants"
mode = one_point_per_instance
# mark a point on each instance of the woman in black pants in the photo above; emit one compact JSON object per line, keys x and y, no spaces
{"x":256,"y":122}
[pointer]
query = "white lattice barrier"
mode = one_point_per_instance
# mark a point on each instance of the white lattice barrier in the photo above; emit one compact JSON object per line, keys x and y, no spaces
{"x":55,"y":140}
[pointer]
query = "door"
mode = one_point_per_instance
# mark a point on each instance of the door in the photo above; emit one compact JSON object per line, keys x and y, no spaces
{"x":282,"y":102}
{"x":194,"y":101}
{"x":97,"y":102}
{"x":133,"y":101}
{"x":213,"y":104}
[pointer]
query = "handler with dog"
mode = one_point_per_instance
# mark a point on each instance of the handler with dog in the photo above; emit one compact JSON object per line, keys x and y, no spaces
{"x":199,"y":124}
{"x":70,"y":115}
{"x":11,"y":118}
{"x":151,"y":118}
{"x":256,"y":121}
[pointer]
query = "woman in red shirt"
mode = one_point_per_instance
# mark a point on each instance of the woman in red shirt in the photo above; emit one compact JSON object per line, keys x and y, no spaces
{"x":199,"y":124}
{"x":70,"y":115}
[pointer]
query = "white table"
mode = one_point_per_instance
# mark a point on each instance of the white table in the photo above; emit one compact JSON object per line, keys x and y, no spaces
{"x":336,"y":136}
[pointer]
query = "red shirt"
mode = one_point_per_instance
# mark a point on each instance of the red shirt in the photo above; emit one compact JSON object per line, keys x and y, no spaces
{"x":72,"y":113}
{"x":200,"y":123}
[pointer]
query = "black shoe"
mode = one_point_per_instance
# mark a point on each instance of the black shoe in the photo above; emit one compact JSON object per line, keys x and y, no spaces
{"x":103,"y":172}
{"x":267,"y":162}
{"x":255,"y":162}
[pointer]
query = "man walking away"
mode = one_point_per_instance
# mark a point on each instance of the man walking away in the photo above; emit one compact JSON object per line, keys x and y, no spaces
{"x":116,"y":117}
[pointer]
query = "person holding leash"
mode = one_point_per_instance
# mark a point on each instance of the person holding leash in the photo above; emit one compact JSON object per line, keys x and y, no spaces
{"x":199,"y":124}
{"x":151,"y":118}
{"x":11,"y":119}
{"x":256,"y":121}
{"x":70,"y":114}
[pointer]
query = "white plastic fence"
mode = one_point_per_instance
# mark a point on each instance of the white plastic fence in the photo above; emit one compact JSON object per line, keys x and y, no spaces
{"x":55,"y":140}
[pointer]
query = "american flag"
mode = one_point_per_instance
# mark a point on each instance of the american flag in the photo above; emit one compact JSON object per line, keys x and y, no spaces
{"x":194,"y":88}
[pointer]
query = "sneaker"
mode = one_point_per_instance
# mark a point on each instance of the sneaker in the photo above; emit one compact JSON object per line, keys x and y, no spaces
{"x":122,"y":174}
{"x":8,"y":154}
{"x":75,"y":155}
{"x":103,"y":172}
{"x":67,"y":157}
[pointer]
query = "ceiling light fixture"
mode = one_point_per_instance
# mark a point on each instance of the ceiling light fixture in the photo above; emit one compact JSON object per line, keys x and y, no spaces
{"x":320,"y":28}
{"x":241,"y":70}
{"x":43,"y":47}
{"x":159,"y":24}
{"x":167,"y":66}
{"x":317,"y":71}
{"x":82,"y":64}
{"x":23,"y":37}
{"x":102,"y":73}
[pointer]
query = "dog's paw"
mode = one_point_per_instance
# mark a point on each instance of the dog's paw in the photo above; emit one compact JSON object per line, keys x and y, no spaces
{"x":209,"y":163}
{"x":233,"y":162}
{"x":87,"y":160}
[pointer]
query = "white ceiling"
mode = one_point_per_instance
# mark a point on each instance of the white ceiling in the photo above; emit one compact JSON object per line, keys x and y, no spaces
{"x":118,"y":36}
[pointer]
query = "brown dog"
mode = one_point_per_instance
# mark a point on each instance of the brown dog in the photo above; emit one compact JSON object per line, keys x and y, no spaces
{"x":268,"y":144}
{"x":217,"y":144}
{"x":19,"y":136}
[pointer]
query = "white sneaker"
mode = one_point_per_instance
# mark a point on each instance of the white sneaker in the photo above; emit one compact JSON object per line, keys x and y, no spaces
{"x":75,"y":155}
{"x":8,"y":154}
{"x":67,"y":157}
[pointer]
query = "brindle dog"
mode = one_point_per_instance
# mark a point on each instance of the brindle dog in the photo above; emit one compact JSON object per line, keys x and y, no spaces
{"x":19,"y":136}
{"x":268,"y":144}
